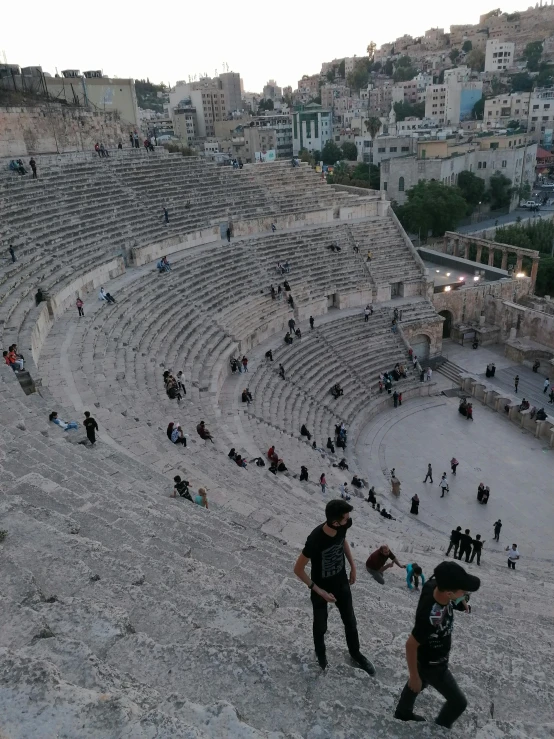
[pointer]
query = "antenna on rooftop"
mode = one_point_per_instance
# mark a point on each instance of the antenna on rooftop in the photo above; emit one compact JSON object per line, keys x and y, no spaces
{"x":4,"y":56}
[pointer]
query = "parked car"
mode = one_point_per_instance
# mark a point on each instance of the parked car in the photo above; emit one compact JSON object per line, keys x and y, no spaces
{"x":530,"y":204}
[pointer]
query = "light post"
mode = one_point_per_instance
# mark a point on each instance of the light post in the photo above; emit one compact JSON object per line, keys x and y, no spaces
{"x":479,"y":211}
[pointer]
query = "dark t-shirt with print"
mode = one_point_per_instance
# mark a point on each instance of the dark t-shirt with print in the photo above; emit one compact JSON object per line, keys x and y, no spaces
{"x":327,"y":556}
{"x":433,"y":627}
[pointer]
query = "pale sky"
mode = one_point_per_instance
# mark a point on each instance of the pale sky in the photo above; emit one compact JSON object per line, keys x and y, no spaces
{"x":168,"y":42}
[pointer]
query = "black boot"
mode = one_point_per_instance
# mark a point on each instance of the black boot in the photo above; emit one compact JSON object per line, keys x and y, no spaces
{"x":363,"y":663}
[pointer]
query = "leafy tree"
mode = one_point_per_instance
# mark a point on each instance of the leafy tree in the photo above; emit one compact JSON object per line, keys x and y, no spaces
{"x":532,"y":55}
{"x":544,"y":77}
{"x":349,"y":151}
{"x":512,"y":124}
{"x":359,"y":77}
{"x":376,"y":67}
{"x":472,"y":188}
{"x":408,"y":110}
{"x":545,"y":277}
{"x":478,"y":110}
{"x":521,"y":82}
{"x":341,"y":170}
{"x":476,"y":60}
{"x":524,"y":191}
{"x":454,"y":54}
{"x":341,"y":69}
{"x":492,"y":14}
{"x":316,"y":154}
{"x":331,"y":74}
{"x":371,"y":50}
{"x":369,"y":173}
{"x":317,"y":100}
{"x":404,"y":61}
{"x":404,"y":70}
{"x":388,"y":68}
{"x":467,"y":46}
{"x":330,"y":153}
{"x":265,"y":105}
{"x":500,"y":191}
{"x":432,"y":207}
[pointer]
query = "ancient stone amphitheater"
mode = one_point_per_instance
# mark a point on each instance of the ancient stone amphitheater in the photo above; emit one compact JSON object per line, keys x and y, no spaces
{"x":130,"y":614}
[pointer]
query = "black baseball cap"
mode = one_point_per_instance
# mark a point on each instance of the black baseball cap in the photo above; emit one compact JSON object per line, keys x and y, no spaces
{"x":452,"y":576}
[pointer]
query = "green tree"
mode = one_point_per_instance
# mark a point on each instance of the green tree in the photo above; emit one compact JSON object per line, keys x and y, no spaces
{"x":341,"y":69}
{"x":371,"y":50}
{"x":544,"y":77}
{"x":349,"y":151}
{"x":359,"y":77}
{"x":454,"y":54}
{"x":408,"y":110}
{"x":265,"y":105}
{"x":372,"y":126}
{"x":472,"y":188}
{"x":545,"y":277}
{"x":467,"y":46}
{"x":500,"y":191}
{"x":476,"y":60}
{"x":478,"y":110}
{"x":331,"y":74}
{"x":532,"y":55}
{"x":404,"y":70}
{"x":524,"y":191}
{"x":492,"y":14}
{"x":370,"y":174}
{"x":513,"y":124}
{"x":432,"y":207}
{"x":388,"y":68}
{"x":521,"y":82}
{"x":330,"y":153}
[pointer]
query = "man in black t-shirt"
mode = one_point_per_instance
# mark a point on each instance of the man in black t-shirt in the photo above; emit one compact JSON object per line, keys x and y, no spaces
{"x":465,"y":545}
{"x":326,"y":547}
{"x":428,"y":646}
{"x":454,"y":540}
{"x":91,"y":427}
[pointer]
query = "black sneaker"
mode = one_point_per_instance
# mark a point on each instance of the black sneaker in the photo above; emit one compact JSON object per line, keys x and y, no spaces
{"x":364,"y":664}
{"x":322,"y":659}
{"x":403,"y":716}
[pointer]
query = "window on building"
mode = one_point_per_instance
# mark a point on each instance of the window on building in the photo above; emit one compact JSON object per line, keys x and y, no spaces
{"x":504,"y":164}
{"x":381,"y":150}
{"x":534,"y":118}
{"x":405,"y":148}
{"x":393,"y":149}
{"x":479,"y":165}
{"x":535,"y":107}
{"x":401,"y":184}
{"x":385,"y":185}
{"x":484,"y":165}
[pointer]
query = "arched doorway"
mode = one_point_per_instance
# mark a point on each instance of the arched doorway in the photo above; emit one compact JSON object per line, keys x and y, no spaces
{"x":420,"y":344}
{"x":447,"y":325}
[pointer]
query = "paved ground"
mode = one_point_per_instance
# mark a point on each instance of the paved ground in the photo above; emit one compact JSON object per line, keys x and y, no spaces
{"x":503,"y":220}
{"x":517,"y":467}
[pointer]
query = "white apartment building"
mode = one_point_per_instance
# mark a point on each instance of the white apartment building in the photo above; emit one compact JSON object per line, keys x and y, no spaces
{"x":499,"y":55}
{"x":535,"y":110}
{"x":312,"y":128}
{"x":502,"y":109}
{"x":453,"y":101}
{"x":272,"y":91}
{"x":384,"y":147}
{"x":207,"y":97}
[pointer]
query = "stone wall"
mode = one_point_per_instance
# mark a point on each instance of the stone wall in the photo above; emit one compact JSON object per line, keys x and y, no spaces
{"x":525,"y":322}
{"x":468,"y":303}
{"x":54,"y":128}
{"x":432,"y":330}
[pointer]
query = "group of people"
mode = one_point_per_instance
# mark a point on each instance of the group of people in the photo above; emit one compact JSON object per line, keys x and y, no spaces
{"x":174,"y":386}
{"x":13,"y":358}
{"x":239,"y":365}
{"x":337,"y":391}
{"x":175,"y":434}
{"x":465,"y":545}
{"x":237,"y":458}
{"x":276,"y":463}
{"x":105,"y":297}
{"x":491,"y":369}
{"x":283,"y":268}
{"x":466,"y":409}
{"x":427,"y":647}
{"x":483,"y":493}
{"x":16,"y":165}
{"x":101,"y":150}
{"x":278,"y":294}
{"x":181,"y":489}
{"x":163,"y":265}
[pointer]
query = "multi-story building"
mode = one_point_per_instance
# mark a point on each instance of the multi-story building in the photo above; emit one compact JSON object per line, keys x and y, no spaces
{"x":275,"y":132}
{"x":384,"y":147}
{"x":535,"y":110}
{"x":232,"y":89}
{"x":207,"y":97}
{"x":380,"y":99}
{"x":434,"y":38}
{"x":272,"y":91}
{"x":453,"y":101}
{"x":502,"y":109}
{"x":513,"y":156}
{"x":184,"y":123}
{"x":540,"y":123}
{"x":312,"y":128}
{"x":499,"y":55}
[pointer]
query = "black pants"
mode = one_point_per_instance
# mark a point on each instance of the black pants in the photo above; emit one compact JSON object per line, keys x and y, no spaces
{"x":511,"y":564}
{"x":34,"y":174}
{"x":346,"y":610}
{"x":465,"y":551}
{"x":455,"y":545}
{"x":497,"y":536}
{"x":476,"y":553}
{"x":440,"y":678}
{"x":81,"y":311}
{"x":428,"y":475}
{"x":91,"y":435}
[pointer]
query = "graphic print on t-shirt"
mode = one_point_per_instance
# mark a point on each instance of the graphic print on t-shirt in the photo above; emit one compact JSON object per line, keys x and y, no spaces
{"x":332,"y":560}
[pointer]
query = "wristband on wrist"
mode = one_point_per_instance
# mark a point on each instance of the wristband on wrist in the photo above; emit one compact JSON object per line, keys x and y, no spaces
{"x":311,"y":585}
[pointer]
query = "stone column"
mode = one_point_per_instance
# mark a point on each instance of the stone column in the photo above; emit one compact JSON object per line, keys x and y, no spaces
{"x":491,"y":256}
{"x":518,"y":262}
{"x":466,"y":250}
{"x":479,"y":253}
{"x":504,"y":264}
{"x":534,"y":269}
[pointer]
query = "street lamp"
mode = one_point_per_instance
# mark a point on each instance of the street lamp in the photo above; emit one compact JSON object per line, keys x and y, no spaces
{"x":479,"y":210}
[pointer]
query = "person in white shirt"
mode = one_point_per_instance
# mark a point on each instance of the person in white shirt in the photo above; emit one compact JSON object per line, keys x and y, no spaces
{"x":443,"y":485}
{"x":513,"y":556}
{"x":429,"y":374}
{"x":344,"y":491}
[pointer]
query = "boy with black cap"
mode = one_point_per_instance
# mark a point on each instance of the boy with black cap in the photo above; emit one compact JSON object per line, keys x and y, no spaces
{"x":428,"y":646}
{"x":327,"y":547}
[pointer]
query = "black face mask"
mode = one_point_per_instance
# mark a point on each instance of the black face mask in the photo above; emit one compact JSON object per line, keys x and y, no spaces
{"x":347,"y":525}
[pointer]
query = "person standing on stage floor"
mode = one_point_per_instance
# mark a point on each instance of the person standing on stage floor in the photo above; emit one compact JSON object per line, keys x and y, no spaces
{"x":454,"y":541}
{"x":326,"y":548}
{"x":79,"y":303}
{"x":477,"y":547}
{"x":497,"y":527}
{"x":91,"y":427}
{"x":516,"y":382}
{"x":465,"y":545}
{"x":453,"y":465}
{"x":428,"y":646}
{"x":513,"y":556}
{"x":429,"y":473}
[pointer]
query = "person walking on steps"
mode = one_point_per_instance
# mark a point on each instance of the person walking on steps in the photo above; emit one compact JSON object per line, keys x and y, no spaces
{"x":326,"y":548}
{"x":546,"y":385}
{"x":513,"y":556}
{"x":228,"y":234}
{"x":465,"y":545}
{"x":429,"y":473}
{"x":12,"y":253}
{"x":33,"y":166}
{"x":376,"y":563}
{"x":516,"y":382}
{"x":454,"y":540}
{"x":497,"y":527}
{"x":477,"y":547}
{"x":428,"y":646}
{"x":312,"y":323}
{"x":91,"y":427}
{"x":79,"y":303}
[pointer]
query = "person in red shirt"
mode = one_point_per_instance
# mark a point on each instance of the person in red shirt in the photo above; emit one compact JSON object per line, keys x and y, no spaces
{"x":376,"y":563}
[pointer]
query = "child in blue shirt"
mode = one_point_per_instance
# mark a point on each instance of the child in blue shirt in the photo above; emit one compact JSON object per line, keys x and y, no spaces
{"x":413,"y":573}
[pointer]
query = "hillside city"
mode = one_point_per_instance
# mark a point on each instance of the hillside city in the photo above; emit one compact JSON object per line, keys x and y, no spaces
{"x":277,"y":394}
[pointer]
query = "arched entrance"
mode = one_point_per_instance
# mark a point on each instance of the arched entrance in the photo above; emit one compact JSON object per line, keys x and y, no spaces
{"x":420,"y":344}
{"x":447,"y":325}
